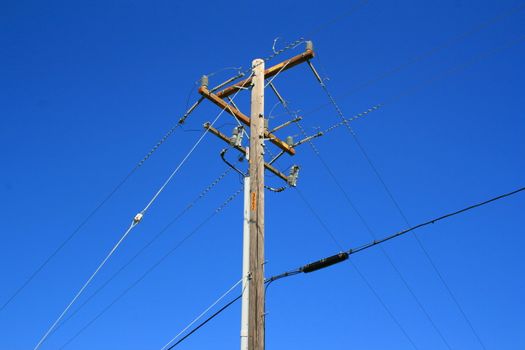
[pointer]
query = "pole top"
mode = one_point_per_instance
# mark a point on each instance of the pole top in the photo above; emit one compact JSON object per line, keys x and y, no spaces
{"x":257,"y":62}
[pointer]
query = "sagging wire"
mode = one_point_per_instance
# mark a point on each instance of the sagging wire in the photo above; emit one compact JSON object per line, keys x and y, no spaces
{"x":136,"y":220}
{"x":190,"y":205}
{"x":332,"y":175}
{"x":170,"y":132}
{"x":365,"y":154}
{"x":406,"y":92}
{"x":353,"y":118}
{"x":167,"y":346}
{"x":219,"y":209}
{"x":223,"y":157}
{"x":344,"y":255}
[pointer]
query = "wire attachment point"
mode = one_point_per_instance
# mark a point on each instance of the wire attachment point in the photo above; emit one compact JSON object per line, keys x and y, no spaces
{"x":294,"y":174}
{"x":138,"y":218}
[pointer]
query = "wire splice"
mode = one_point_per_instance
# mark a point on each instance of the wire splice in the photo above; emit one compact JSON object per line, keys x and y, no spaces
{"x":325,"y":262}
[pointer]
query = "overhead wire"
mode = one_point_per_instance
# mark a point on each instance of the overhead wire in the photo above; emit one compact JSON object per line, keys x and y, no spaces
{"x":95,"y":210}
{"x":200,"y":325}
{"x":423,"y":56}
{"x":346,"y":123}
{"x":202,"y":314}
{"x":332,"y":175}
{"x":361,"y":275}
{"x":420,"y":86}
{"x":136,"y":221}
{"x":366,"y":113}
{"x":368,"y":228}
{"x":352,"y":251}
{"x":201,"y":195}
{"x":352,"y":205}
{"x":107,"y":198}
{"x":218,"y":210}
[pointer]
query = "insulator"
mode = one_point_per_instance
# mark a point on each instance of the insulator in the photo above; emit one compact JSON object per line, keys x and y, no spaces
{"x":294,"y":174}
{"x":289,"y":140}
{"x":237,"y":135}
{"x":309,"y":45}
{"x":204,"y":80}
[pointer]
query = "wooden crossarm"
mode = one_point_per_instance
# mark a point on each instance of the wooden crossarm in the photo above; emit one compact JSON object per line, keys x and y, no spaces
{"x":226,"y":139}
{"x":270,"y":72}
{"x":203,"y":90}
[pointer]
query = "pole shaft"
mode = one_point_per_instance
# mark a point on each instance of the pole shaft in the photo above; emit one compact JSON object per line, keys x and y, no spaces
{"x":256,"y":296}
{"x":245,"y":265}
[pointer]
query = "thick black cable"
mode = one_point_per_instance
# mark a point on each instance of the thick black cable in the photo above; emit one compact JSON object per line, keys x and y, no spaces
{"x":368,"y":284}
{"x":354,"y":208}
{"x":397,"y":234}
{"x":346,"y":123}
{"x":230,"y":303}
{"x":429,"y":222}
{"x":364,"y":152}
{"x":205,"y":321}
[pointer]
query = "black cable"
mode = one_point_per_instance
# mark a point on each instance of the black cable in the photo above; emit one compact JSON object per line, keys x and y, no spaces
{"x":376,"y":242}
{"x":267,"y":282}
{"x":328,"y":261}
{"x":205,"y":321}
{"x":307,"y":268}
{"x":352,"y":205}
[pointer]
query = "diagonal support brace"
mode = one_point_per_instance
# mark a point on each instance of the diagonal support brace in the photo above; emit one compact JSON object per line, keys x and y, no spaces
{"x":203,"y":90}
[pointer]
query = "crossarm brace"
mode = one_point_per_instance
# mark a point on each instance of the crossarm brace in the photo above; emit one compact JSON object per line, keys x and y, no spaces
{"x":203,"y":90}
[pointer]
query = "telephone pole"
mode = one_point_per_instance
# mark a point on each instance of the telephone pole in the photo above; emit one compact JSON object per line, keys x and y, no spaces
{"x":256,"y":258}
{"x":253,"y":298}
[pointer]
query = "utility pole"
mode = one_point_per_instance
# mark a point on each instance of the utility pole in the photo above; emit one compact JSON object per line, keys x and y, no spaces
{"x":256,"y":161}
{"x":253,"y":298}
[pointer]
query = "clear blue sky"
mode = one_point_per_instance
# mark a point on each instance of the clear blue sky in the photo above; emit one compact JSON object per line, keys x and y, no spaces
{"x":87,"y":88}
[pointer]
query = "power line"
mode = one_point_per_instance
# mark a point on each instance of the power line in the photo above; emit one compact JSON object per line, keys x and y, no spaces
{"x":418,"y":87}
{"x":340,"y":257}
{"x":219,"y":209}
{"x":425,"y":55}
{"x":230,"y":303}
{"x":170,"y":132}
{"x":365,"y":154}
{"x":136,"y":221}
{"x":332,"y":175}
{"x":361,"y":275}
{"x":202,"y":194}
{"x":345,"y":122}
{"x":167,"y":346}
{"x":325,"y":262}
{"x":432,"y":221}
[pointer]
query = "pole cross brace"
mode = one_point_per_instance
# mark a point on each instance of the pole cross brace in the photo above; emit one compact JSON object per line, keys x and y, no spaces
{"x":203,"y":90}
